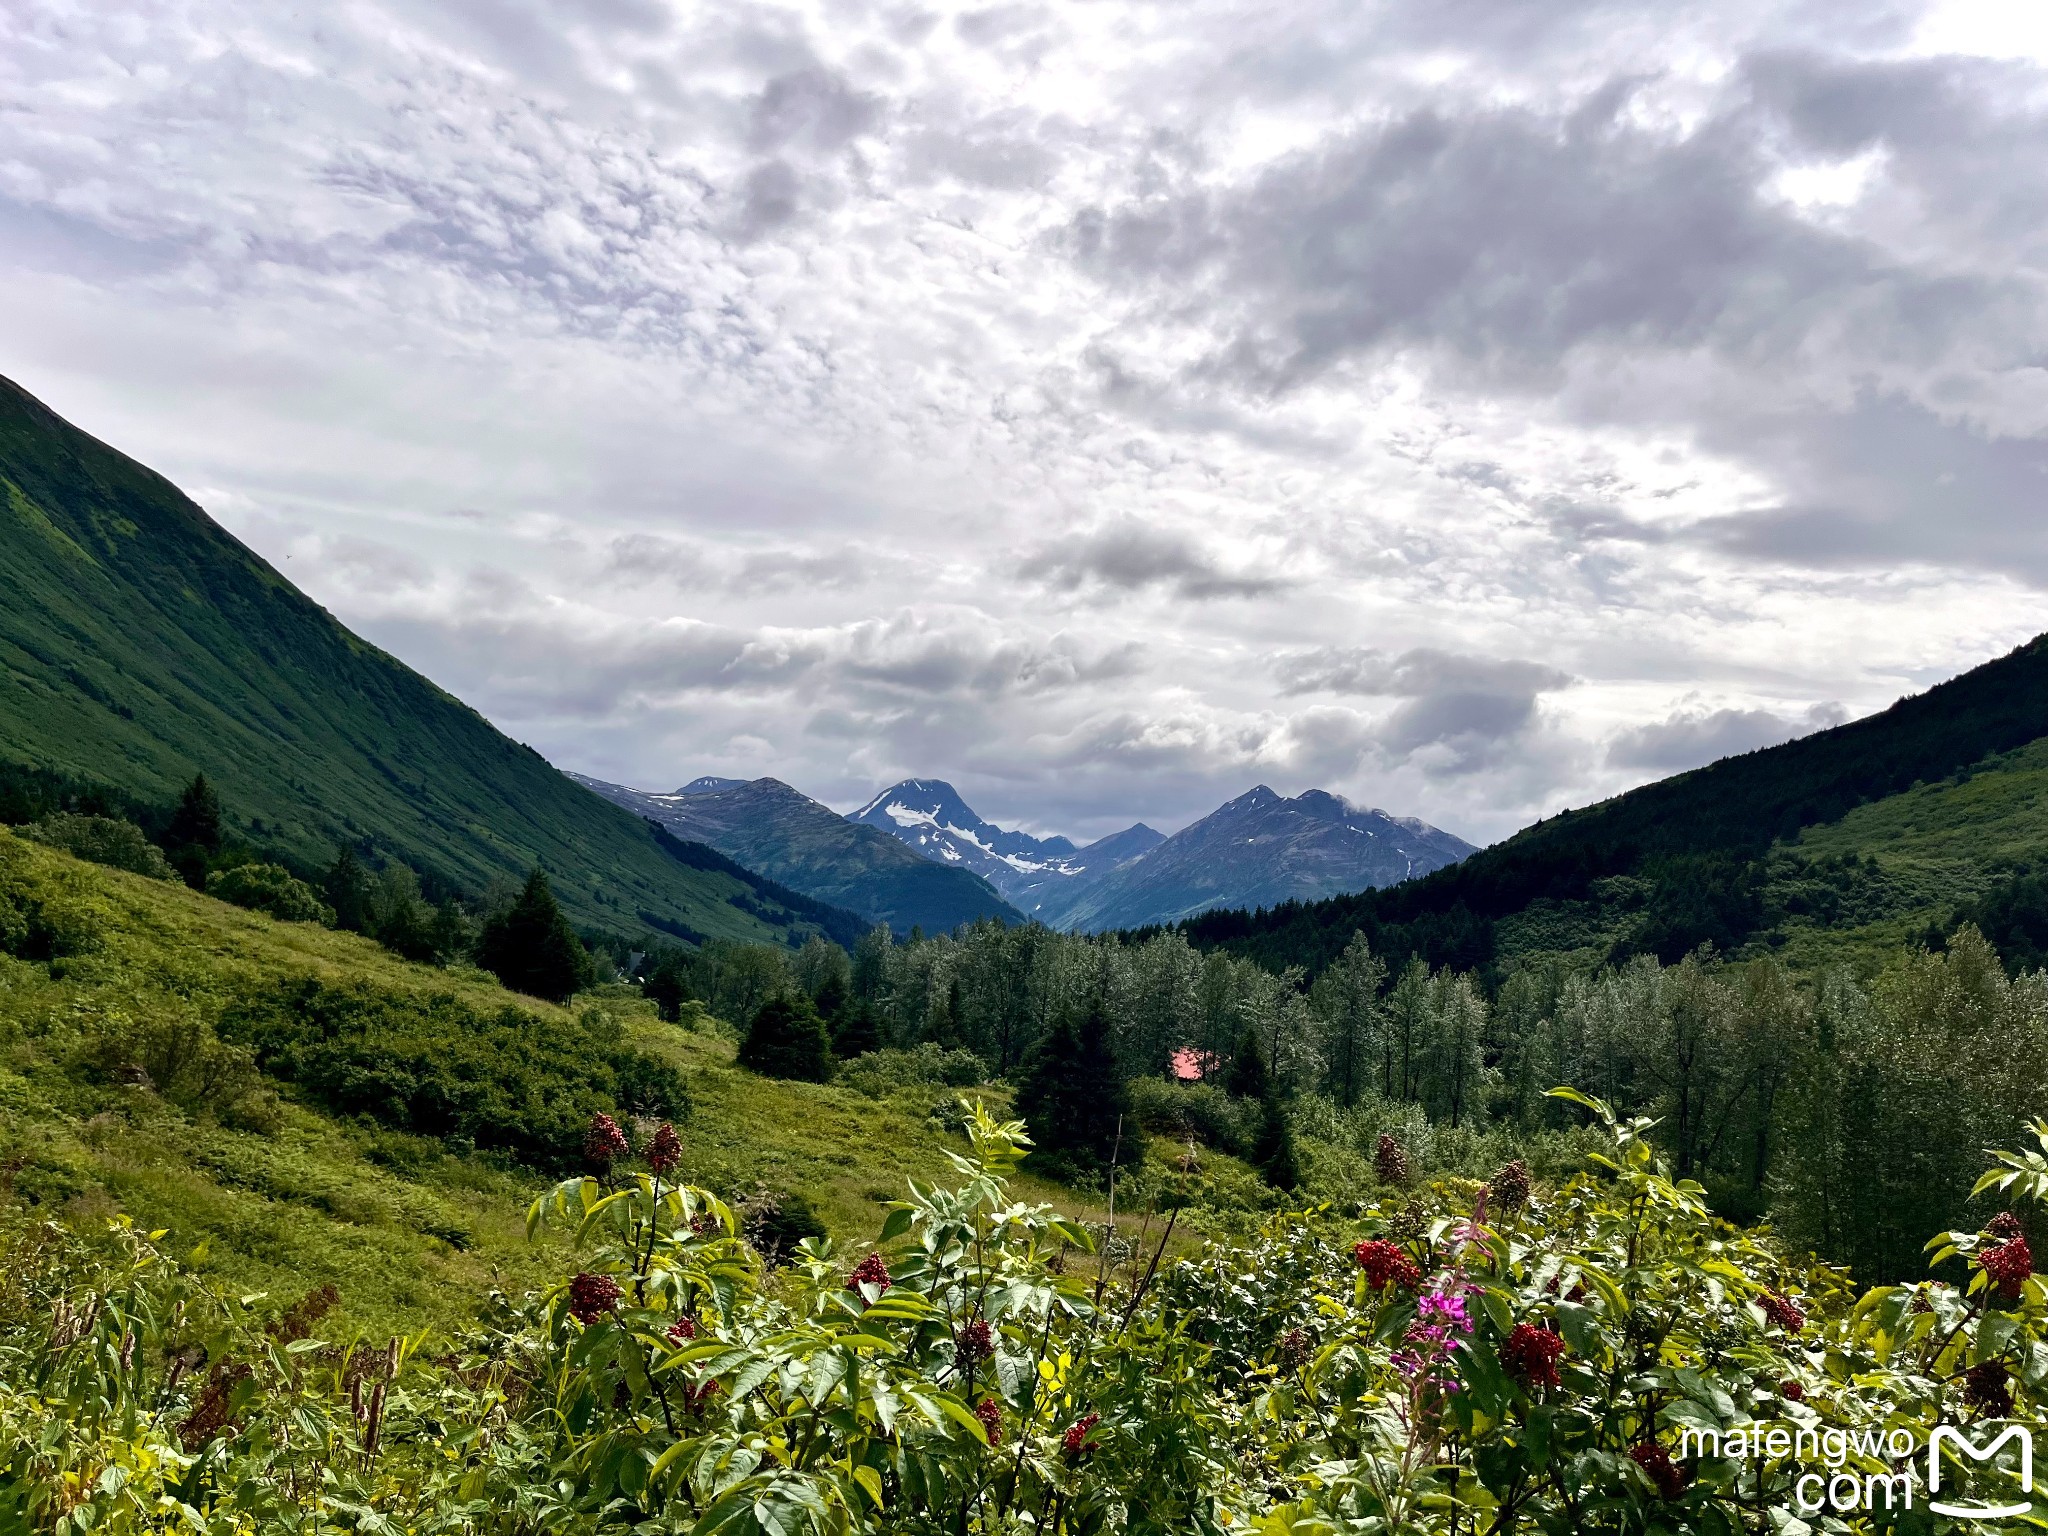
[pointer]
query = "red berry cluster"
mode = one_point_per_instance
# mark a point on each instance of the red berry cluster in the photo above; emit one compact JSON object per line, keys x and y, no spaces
{"x":991,"y":1415}
{"x":1383,"y":1262}
{"x":2008,"y":1265}
{"x":694,"y":1398}
{"x":1988,"y":1389}
{"x":604,"y":1143}
{"x":1530,"y":1355}
{"x":1297,"y":1345}
{"x":1783,"y":1313}
{"x":1659,"y":1468}
{"x":974,"y":1343}
{"x":592,"y":1297}
{"x":1791,"y":1391}
{"x":666,"y":1150}
{"x":2004,"y":1226}
{"x":1075,"y":1443}
{"x":681,"y":1331}
{"x":869,"y":1271}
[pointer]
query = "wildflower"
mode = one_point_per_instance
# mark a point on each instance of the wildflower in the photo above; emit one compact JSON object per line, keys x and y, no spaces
{"x":1383,"y":1262}
{"x":991,"y":1415}
{"x":592,"y":1297}
{"x":666,"y":1150}
{"x":2008,"y":1266}
{"x":1791,"y":1391}
{"x":681,"y":1331}
{"x":1781,"y":1312}
{"x":1509,"y":1188}
{"x":1988,"y":1389}
{"x":870,"y":1271}
{"x":1390,"y":1161}
{"x":974,"y":1343}
{"x":604,"y":1143}
{"x":2004,"y":1226}
{"x":1659,"y":1468}
{"x":1530,"y":1355}
{"x":1441,"y":1323}
{"x":1075,"y":1443}
{"x":1296,"y":1346}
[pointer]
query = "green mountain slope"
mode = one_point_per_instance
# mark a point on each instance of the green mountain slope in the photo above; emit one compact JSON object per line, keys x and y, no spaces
{"x":141,"y":643}
{"x":786,"y":835}
{"x":1835,"y":831}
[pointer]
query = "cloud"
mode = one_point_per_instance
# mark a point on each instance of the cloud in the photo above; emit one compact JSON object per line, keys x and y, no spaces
{"x":1130,"y":555}
{"x":1695,"y":736}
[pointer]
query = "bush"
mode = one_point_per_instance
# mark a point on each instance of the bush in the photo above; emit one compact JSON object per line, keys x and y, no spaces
{"x":269,"y":888}
{"x":1182,"y":1110}
{"x":103,"y":840}
{"x":508,"y":1081}
{"x":787,"y":1039}
{"x":172,"y":1051}
{"x":878,"y":1074}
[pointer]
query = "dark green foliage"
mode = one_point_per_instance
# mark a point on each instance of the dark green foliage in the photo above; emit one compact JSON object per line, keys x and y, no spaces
{"x":778,"y":1224}
{"x":1707,"y":825}
{"x":2013,"y":916}
{"x":139,"y":640}
{"x":1074,"y":1097}
{"x":665,"y":982}
{"x":510,"y":1081}
{"x":268,"y":888}
{"x":1272,"y":1149}
{"x":351,"y":892}
{"x":1190,"y":1111}
{"x":531,"y":948}
{"x":197,"y":821}
{"x":1248,"y":1078}
{"x":787,"y":1039}
{"x":855,"y":1033}
{"x":108,"y":840}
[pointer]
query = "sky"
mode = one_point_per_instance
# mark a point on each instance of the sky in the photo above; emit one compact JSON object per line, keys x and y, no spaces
{"x":1473,"y":407}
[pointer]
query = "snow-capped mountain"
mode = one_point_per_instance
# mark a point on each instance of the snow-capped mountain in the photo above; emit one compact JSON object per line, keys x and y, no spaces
{"x":1259,"y":850}
{"x":1040,"y":875}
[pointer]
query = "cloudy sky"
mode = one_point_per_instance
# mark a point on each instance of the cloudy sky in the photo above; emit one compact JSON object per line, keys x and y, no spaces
{"x":1471,"y":406}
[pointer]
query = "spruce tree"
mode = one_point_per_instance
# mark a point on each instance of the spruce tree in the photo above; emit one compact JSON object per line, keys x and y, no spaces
{"x":855,"y":1032}
{"x":351,"y":892}
{"x":1272,"y":1149}
{"x":532,"y":949}
{"x":787,"y":1039}
{"x":1074,"y":1097}
{"x":195,"y":834}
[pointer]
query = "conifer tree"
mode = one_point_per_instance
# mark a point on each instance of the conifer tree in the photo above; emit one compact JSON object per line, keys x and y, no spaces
{"x":787,"y":1039}
{"x":350,"y":892}
{"x":1272,"y":1149}
{"x":195,"y":835}
{"x":1075,"y":1098}
{"x":855,"y":1032}
{"x":532,"y":949}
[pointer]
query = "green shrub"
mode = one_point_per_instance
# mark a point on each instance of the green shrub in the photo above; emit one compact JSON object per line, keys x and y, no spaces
{"x":103,"y":840}
{"x":787,"y":1039}
{"x":171,"y":1050}
{"x":1202,"y":1111}
{"x":878,"y":1074}
{"x":269,"y":888}
{"x":510,"y":1081}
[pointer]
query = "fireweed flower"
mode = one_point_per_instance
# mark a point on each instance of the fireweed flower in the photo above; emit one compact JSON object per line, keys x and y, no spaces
{"x":666,"y":1150}
{"x":990,"y":1413}
{"x":1441,"y":1324}
{"x":2008,"y":1266}
{"x":870,"y":1271}
{"x":1530,"y":1355}
{"x":592,"y":1297}
{"x":1075,"y":1444}
{"x":604,"y":1143}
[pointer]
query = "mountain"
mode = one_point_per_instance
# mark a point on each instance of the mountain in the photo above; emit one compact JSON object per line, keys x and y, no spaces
{"x":786,"y":835}
{"x":1886,"y":822}
{"x":1260,"y":850}
{"x":1041,"y":875}
{"x":141,"y":643}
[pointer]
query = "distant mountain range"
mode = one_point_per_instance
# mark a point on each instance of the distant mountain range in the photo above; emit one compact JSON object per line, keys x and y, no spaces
{"x":1041,"y":875}
{"x":782,"y":833}
{"x":1261,"y":850}
{"x":917,"y":855}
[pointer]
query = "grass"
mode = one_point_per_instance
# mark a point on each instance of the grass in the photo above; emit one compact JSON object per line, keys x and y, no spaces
{"x":413,"y":1234}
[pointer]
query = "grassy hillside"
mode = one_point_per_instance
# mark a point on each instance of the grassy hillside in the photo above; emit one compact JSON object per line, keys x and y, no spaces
{"x":261,"y":1182}
{"x":140,"y":643}
{"x":1724,"y":854}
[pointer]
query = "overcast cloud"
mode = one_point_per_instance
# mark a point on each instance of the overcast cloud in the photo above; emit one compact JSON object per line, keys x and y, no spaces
{"x":1471,"y":406}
